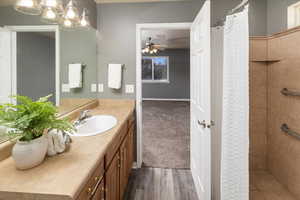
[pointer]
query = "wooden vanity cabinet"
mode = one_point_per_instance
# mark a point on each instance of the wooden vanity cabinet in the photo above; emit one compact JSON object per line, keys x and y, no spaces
{"x":110,"y":179}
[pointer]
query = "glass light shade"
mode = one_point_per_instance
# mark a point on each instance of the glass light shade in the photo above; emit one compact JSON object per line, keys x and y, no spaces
{"x":71,"y":12}
{"x":57,"y":5}
{"x":29,"y":7}
{"x":84,"y":21}
{"x":49,"y":15}
{"x":155,"y":50}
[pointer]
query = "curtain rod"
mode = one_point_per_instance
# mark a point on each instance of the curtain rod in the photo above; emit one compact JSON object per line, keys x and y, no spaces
{"x":234,"y":10}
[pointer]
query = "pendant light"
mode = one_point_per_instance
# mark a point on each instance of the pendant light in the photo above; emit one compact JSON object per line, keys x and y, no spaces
{"x":50,"y":15}
{"x":84,"y":20}
{"x":29,"y":7}
{"x":71,"y":16}
{"x":55,"y":5}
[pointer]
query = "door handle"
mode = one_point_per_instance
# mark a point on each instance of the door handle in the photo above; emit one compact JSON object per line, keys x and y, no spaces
{"x":212,"y":123}
{"x":202,"y":123}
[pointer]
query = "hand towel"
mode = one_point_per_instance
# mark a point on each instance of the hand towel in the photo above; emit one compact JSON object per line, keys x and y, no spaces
{"x":58,"y":142}
{"x":114,"y":76}
{"x":75,"y":75}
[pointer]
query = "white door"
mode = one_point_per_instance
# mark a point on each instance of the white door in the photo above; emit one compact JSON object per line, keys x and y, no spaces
{"x":200,"y":103}
{"x":5,"y":66}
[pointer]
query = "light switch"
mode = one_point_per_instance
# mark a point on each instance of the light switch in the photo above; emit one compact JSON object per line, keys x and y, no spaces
{"x":65,"y":87}
{"x":93,"y":87}
{"x":100,"y":87}
{"x":129,"y":89}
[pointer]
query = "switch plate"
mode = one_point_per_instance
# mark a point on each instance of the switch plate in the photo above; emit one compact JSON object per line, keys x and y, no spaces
{"x":65,"y":87}
{"x":129,"y":89}
{"x":93,"y":87}
{"x":100,"y":87}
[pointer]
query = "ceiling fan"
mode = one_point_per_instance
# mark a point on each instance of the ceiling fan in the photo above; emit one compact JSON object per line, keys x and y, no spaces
{"x":151,"y":48}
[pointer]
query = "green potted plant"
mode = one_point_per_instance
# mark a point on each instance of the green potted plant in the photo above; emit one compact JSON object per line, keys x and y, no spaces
{"x":28,"y":122}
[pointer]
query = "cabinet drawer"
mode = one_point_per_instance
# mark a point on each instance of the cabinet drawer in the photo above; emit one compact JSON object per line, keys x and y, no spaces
{"x":89,"y":188}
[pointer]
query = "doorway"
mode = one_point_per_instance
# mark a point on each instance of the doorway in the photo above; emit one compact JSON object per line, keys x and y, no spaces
{"x":165,"y":98}
{"x":34,"y":50}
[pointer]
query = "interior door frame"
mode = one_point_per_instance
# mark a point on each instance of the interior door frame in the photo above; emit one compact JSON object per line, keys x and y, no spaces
{"x":139,"y":29}
{"x":38,"y":28}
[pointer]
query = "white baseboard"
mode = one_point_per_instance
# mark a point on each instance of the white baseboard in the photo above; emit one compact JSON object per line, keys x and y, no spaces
{"x":157,"y":99}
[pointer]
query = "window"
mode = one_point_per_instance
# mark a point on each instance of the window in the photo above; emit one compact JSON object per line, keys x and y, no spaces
{"x":155,"y":69}
{"x":294,"y":15}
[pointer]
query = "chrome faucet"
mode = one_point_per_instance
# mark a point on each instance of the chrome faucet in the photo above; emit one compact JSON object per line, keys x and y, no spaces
{"x":83,"y":115}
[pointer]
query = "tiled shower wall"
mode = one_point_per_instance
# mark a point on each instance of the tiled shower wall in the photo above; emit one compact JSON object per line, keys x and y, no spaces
{"x":275,"y":64}
{"x":283,"y":157}
{"x":258,"y":103}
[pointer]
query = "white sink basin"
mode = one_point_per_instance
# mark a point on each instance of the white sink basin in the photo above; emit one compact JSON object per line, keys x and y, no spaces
{"x":95,"y":125}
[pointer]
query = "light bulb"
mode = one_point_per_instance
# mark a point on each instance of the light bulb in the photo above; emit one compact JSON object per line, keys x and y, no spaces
{"x":67,"y":23}
{"x":155,"y":50}
{"x":147,"y":50}
{"x":30,"y":7}
{"x":49,"y":3}
{"x":84,"y":21}
{"x":71,"y":12}
{"x":57,"y":5}
{"x":50,"y":14}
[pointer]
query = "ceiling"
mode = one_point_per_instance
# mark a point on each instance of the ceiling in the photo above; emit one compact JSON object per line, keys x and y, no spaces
{"x":168,"y":39}
{"x":134,"y":1}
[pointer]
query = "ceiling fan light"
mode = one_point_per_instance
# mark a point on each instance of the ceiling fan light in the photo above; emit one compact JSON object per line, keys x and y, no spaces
{"x":155,"y":50}
{"x":30,"y":7}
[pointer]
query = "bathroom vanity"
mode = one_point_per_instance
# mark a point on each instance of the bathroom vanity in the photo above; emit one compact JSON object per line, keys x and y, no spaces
{"x":95,"y":167}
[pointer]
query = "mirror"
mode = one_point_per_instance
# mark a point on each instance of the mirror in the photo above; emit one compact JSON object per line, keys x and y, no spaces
{"x":39,"y":58}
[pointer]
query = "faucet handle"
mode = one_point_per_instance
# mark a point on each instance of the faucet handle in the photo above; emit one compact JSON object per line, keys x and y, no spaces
{"x":84,"y":112}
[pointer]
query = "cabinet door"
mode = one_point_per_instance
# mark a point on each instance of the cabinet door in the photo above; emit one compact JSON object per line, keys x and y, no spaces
{"x":112,"y":178}
{"x":100,"y":192}
{"x":130,"y":151}
{"x":123,"y":169}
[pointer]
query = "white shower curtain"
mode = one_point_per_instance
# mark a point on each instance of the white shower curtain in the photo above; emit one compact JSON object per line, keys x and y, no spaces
{"x":235,"y":122}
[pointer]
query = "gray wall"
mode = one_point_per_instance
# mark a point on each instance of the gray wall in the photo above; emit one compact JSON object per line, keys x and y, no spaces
{"x":35,"y":65}
{"x":76,"y":46}
{"x":117,"y":26}
{"x":179,"y":77}
{"x":277,"y":15}
{"x":257,"y":14}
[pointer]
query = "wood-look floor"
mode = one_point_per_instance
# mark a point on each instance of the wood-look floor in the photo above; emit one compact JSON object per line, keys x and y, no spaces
{"x":160,"y":184}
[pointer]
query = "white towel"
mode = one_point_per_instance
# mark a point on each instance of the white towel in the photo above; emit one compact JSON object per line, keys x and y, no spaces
{"x":114,"y":76}
{"x":75,"y":75}
{"x":57,"y":142}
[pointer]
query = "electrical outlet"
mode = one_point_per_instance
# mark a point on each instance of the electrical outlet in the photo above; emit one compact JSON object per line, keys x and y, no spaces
{"x":93,"y":87}
{"x":65,"y":87}
{"x":100,"y":87}
{"x":129,"y":89}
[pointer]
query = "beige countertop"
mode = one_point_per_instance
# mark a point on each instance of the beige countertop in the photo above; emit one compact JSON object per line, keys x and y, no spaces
{"x":63,"y":176}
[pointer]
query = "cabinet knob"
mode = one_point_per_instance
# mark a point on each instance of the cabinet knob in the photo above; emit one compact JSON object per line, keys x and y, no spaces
{"x":89,"y":190}
{"x":96,"y":178}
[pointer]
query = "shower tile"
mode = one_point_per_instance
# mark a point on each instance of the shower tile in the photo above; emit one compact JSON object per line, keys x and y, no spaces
{"x":258,"y":49}
{"x":256,"y":195}
{"x":268,"y":188}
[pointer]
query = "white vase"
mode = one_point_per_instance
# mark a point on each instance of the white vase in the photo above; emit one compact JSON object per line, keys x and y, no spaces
{"x":30,"y":154}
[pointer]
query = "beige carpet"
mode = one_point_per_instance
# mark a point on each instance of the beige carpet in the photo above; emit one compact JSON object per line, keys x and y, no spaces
{"x":166,"y":136}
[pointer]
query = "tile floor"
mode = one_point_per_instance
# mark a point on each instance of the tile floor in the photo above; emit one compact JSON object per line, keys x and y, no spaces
{"x":263,"y":186}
